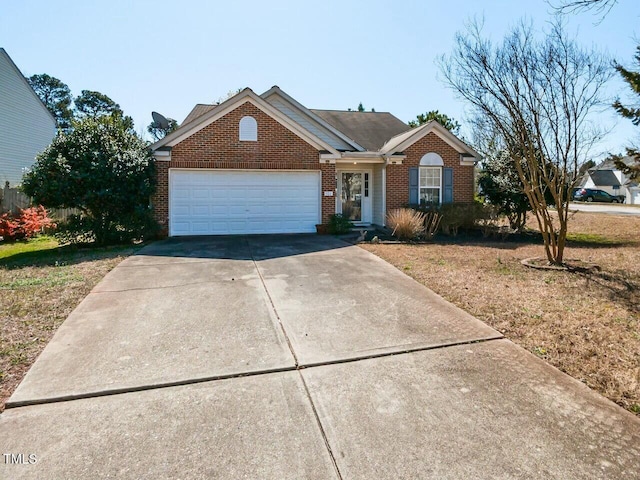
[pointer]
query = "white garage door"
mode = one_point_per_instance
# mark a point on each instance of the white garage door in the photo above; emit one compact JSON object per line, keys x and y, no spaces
{"x":221,"y":202}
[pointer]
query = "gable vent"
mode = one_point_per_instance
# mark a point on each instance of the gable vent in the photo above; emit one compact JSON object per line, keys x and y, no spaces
{"x":248,"y":129}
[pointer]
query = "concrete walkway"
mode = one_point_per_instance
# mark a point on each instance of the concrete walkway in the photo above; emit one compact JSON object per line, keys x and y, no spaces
{"x":296,"y":357}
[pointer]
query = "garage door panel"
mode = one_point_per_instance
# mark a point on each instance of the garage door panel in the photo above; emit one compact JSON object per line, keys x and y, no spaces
{"x":209,"y":202}
{"x":202,"y":210}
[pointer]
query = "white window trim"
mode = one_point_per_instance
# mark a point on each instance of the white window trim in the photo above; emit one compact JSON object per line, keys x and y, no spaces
{"x":421,"y":186}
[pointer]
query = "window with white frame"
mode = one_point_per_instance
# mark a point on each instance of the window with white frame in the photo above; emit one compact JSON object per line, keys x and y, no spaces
{"x":248,"y":129}
{"x":430,"y":179}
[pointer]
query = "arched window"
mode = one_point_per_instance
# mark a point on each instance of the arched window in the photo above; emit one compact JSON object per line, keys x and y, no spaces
{"x":430,"y":179}
{"x":431,"y":159}
{"x":248,"y":129}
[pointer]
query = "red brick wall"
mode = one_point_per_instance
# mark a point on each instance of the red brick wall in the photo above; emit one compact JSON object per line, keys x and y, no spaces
{"x":218,"y":146}
{"x":398,"y":175}
{"x":328,"y":184}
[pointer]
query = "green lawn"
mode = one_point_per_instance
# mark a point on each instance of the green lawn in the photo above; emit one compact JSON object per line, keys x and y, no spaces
{"x":33,"y":245}
{"x":40,"y":284}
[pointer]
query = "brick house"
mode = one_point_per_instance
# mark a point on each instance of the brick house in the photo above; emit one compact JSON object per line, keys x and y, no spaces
{"x":267,"y":164}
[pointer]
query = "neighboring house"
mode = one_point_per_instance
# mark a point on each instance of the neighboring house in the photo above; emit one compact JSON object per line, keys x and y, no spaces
{"x":26,"y":126}
{"x":608,"y":178}
{"x":267,"y":164}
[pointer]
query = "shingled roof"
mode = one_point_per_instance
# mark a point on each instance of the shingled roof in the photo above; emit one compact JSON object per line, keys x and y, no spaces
{"x":604,"y":178}
{"x":369,"y":129}
{"x":197,"y":111}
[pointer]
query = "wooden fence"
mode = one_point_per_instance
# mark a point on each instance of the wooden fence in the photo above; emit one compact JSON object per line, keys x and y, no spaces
{"x":13,"y":200}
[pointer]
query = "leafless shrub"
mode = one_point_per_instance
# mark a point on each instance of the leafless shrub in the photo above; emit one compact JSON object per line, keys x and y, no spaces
{"x":431,"y":224}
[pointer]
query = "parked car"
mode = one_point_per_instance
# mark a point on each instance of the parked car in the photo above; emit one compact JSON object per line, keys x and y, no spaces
{"x":595,"y":195}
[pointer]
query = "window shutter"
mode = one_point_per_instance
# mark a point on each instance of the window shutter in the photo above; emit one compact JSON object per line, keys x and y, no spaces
{"x":447,"y":185}
{"x":413,"y":186}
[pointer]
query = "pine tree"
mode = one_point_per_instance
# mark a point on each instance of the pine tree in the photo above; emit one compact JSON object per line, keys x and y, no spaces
{"x":633,"y":80}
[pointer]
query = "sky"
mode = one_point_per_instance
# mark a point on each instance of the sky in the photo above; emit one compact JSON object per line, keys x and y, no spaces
{"x":168,"y":56}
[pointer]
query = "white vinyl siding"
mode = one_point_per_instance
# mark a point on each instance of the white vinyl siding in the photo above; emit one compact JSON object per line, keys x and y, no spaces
{"x":222,"y":202}
{"x":301,"y":119}
{"x":26,"y":127}
{"x":430,"y":185}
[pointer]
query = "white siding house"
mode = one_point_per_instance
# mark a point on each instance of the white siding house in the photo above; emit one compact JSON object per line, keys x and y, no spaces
{"x":609,"y":178}
{"x":26,"y":126}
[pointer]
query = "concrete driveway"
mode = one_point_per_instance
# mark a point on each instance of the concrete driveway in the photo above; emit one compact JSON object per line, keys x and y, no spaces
{"x":296,"y":357}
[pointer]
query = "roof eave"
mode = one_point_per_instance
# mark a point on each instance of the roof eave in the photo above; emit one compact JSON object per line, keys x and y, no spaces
{"x":227,"y":106}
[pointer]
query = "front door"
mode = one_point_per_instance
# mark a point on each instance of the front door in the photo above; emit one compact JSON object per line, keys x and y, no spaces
{"x":355,"y":196}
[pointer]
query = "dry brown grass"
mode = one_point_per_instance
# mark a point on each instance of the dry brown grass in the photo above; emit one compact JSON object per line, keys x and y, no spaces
{"x":586,"y":325}
{"x":38,"y":290}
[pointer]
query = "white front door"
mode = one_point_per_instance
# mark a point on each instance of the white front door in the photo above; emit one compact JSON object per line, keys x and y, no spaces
{"x":355,"y":195}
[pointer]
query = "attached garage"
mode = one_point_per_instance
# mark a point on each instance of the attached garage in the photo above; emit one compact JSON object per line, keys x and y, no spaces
{"x":223,"y":202}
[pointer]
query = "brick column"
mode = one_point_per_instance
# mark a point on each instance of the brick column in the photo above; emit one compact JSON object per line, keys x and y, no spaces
{"x":160,"y":200}
{"x":328,"y":172}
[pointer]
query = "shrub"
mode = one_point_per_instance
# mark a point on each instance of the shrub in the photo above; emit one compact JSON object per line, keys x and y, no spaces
{"x":489,"y":222}
{"x":456,"y":216}
{"x":406,"y":223}
{"x":27,"y":224}
{"x":82,"y":229}
{"x":501,"y":186}
{"x":431,"y":224}
{"x":339,"y":224}
{"x":104,"y":169}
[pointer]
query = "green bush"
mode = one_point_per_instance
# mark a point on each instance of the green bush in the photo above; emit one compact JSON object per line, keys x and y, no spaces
{"x":459,"y":216}
{"x":103,"y":169}
{"x":465,"y":216}
{"x":339,"y":224}
{"x":80,"y":229}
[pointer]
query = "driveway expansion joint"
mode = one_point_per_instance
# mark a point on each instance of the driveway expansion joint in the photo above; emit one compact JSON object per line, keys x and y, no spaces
{"x":297,"y":367}
{"x":273,"y":306}
{"x":213,"y":378}
{"x":163,"y":287}
{"x":320,"y":426}
{"x":401,"y":352}
{"x":142,"y":388}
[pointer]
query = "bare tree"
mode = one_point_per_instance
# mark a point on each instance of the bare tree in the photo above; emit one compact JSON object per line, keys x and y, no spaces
{"x":600,"y":7}
{"x":538,"y":96}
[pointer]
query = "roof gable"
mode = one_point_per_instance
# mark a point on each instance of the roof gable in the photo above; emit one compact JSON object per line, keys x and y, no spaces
{"x":604,"y":178}
{"x":197,"y":111}
{"x":229,"y":105}
{"x":369,"y":129}
{"x":400,"y":142}
{"x":305,"y":117}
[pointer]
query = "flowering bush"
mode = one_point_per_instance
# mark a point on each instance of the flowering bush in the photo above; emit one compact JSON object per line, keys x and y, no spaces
{"x":28,"y":223}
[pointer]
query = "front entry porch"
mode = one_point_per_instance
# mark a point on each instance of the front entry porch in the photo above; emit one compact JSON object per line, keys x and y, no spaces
{"x":360,"y":193}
